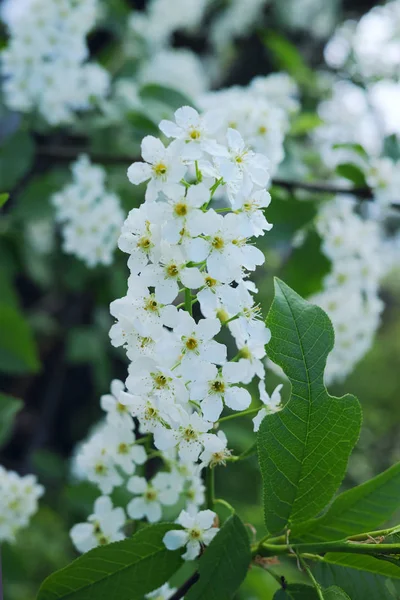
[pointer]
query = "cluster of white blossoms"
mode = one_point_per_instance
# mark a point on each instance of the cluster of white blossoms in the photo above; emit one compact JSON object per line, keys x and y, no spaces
{"x":18,"y":502}
{"x":359,"y":260}
{"x":189,"y":260}
{"x":259,"y":111}
{"x":370,"y":47}
{"x":45,"y":63}
{"x":90,"y":216}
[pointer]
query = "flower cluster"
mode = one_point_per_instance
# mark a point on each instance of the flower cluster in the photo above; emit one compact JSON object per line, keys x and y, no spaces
{"x":359,"y":261}
{"x":18,"y":502}
{"x":91,"y":217}
{"x":44,"y":65}
{"x":189,"y":260}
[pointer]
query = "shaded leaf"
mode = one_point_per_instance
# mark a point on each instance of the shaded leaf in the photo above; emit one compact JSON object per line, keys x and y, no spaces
{"x":363,"y":508}
{"x":304,"y":123}
{"x":3,"y":199}
{"x":362,"y":562}
{"x":359,"y":585}
{"x":18,"y":351}
{"x":296,"y":591}
{"x":124,"y":570}
{"x":335,"y":593}
{"x":9,"y":407}
{"x":224,"y":564}
{"x":166,"y":95}
{"x":304,"y":448}
{"x":16,"y":157}
{"x":142,"y":124}
{"x":353,"y":173}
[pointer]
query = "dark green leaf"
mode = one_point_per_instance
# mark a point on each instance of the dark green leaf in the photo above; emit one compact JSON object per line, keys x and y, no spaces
{"x":335,"y":593}
{"x":124,"y":570}
{"x":359,"y":585}
{"x":16,"y":157}
{"x":297,"y":272}
{"x":353,"y":173}
{"x":9,"y":407}
{"x":304,"y":448}
{"x":363,"y":508}
{"x":287,"y":57}
{"x":362,"y":562}
{"x":288,"y":214}
{"x":18,"y":352}
{"x":296,"y":591}
{"x":166,"y":95}
{"x":224,"y":564}
{"x":391,"y":147}
{"x":3,"y":199}
{"x":34,"y":200}
{"x":141,"y":124}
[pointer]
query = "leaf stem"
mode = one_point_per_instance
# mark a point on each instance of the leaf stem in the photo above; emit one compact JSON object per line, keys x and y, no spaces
{"x":311,"y":576}
{"x":348,"y":546}
{"x":188,"y":301}
{"x":210,"y":488}
{"x":244,"y":413}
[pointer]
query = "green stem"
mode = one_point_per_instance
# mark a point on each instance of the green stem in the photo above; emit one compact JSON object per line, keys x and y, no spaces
{"x":231,"y":319}
{"x":210,"y":488}
{"x":244,"y":413}
{"x":347,"y":546}
{"x":311,"y":576}
{"x":375,"y":534}
{"x":188,"y":301}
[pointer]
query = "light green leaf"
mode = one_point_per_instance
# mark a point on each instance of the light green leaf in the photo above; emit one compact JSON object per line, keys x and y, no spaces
{"x":361,"y":509}
{"x":224,"y":564}
{"x":335,"y":593}
{"x":353,"y":173}
{"x":305,"y":123}
{"x":362,"y":562}
{"x":124,"y":570}
{"x":304,"y":448}
{"x":3,"y":199}
{"x":287,"y":57}
{"x":357,"y":148}
{"x":16,"y":157}
{"x":296,"y":591}
{"x":358,"y":585}
{"x":166,"y":95}
{"x":9,"y":407}
{"x":18,"y":352}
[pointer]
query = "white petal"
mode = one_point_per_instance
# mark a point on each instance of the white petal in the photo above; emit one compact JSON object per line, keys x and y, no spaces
{"x":139,"y":172}
{"x":237,"y":398}
{"x":166,"y":291}
{"x":212,"y":408}
{"x":175,"y":539}
{"x":197,"y":249}
{"x":191,"y":278}
{"x":136,"y":508}
{"x":205,"y":519}
{"x":153,"y":149}
{"x":208,"y":328}
{"x":193,"y":550}
{"x":153,"y":512}
{"x":170,"y":129}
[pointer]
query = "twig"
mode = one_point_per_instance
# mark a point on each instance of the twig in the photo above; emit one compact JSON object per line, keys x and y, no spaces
{"x":185,"y":587}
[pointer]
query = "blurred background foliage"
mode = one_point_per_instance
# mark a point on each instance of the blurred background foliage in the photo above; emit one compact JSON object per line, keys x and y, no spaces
{"x":54,"y":317}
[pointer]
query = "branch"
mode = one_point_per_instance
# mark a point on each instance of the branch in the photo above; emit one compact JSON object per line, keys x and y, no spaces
{"x":346,"y":546}
{"x":68,"y":153}
{"x":185,"y":587}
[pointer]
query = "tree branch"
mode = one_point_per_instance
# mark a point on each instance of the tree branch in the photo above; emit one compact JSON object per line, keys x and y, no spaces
{"x":185,"y":587}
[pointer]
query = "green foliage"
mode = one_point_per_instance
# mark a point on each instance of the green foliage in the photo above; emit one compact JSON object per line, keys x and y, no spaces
{"x":288,"y":214}
{"x":164,"y":95}
{"x":16,"y":158}
{"x":353,"y":173}
{"x":3,"y":199}
{"x":358,"y":585}
{"x":297,"y":272}
{"x":9,"y":407}
{"x":304,"y":123}
{"x":141,"y":124}
{"x":304,"y":448}
{"x":18,"y":351}
{"x":361,"y":562}
{"x":287,"y":57}
{"x":125,"y":570}
{"x":296,"y":591}
{"x":361,"y":509}
{"x":224,"y":564}
{"x":335,"y":593}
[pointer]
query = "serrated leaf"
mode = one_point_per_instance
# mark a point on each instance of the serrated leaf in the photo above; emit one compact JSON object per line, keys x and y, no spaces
{"x":353,"y":173}
{"x":224,"y":564}
{"x":362,"y":562}
{"x":166,"y":95}
{"x":304,"y":448}
{"x":18,"y":352}
{"x":9,"y":407}
{"x":363,"y":508}
{"x":335,"y":593}
{"x":296,"y":591}
{"x":358,"y":585}
{"x":16,"y":157}
{"x":3,"y":199}
{"x":124,"y":570}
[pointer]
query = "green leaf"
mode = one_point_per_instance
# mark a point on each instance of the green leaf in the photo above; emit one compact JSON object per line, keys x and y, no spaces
{"x":353,"y":173}
{"x":335,"y":593}
{"x":304,"y":123}
{"x":361,"y":509}
{"x":296,"y":591}
{"x":304,"y":448}
{"x":224,"y":564}
{"x":288,"y":214}
{"x":166,"y":95}
{"x":18,"y":351}
{"x":358,"y":585}
{"x":3,"y":199}
{"x":357,"y":148}
{"x":124,"y":570}
{"x":287,"y":57}
{"x":16,"y":157}
{"x":9,"y":407}
{"x":297,"y":272}
{"x":142,"y":124}
{"x":362,"y":562}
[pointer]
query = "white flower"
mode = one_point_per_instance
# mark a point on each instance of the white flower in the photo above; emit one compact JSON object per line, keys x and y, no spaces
{"x":213,"y":387}
{"x":191,"y":129}
{"x":182,"y":211}
{"x":146,"y":377}
{"x":272,"y":403}
{"x":197,"y":531}
{"x":95,"y":460}
{"x":248,"y":205}
{"x":104,"y":526}
{"x":215,"y":451}
{"x":117,"y":414}
{"x":161,"y":169}
{"x":191,"y":436}
{"x":152,"y":496}
{"x":122,"y":448}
